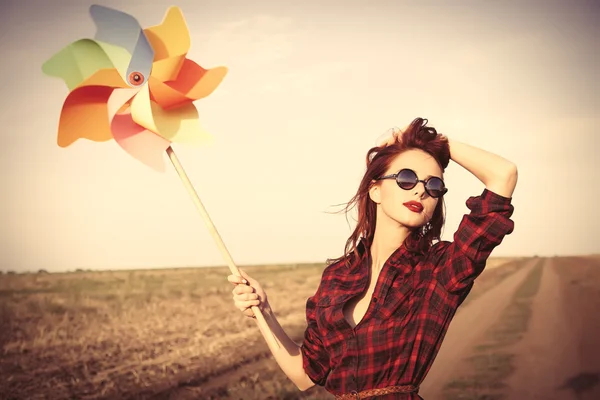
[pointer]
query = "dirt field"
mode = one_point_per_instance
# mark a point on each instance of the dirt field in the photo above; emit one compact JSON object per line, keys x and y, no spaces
{"x":174,"y":334}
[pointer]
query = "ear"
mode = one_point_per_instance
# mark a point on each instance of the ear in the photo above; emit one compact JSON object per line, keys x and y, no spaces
{"x":375,"y":192}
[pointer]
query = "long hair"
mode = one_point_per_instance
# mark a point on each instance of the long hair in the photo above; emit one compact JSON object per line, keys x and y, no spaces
{"x":379,"y":158}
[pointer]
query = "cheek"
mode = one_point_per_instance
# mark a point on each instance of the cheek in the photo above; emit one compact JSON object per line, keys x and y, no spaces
{"x":430,"y":207}
{"x":393,"y":195}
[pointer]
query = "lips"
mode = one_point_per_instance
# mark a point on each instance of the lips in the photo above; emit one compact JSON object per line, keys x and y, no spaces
{"x":414,"y":206}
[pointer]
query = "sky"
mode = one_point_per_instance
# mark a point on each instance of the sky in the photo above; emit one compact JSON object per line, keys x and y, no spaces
{"x":311,"y":86}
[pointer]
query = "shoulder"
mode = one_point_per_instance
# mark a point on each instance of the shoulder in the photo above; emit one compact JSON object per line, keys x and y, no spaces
{"x":333,"y":278}
{"x":335,"y":270}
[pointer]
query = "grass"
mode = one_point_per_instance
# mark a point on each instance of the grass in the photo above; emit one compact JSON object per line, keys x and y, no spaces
{"x":492,"y":362}
{"x":119,"y":333}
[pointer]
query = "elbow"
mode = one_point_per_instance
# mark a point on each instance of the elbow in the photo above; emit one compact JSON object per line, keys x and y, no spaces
{"x":512,"y":172}
{"x":304,"y":388}
{"x":511,"y":177}
{"x":504,"y":181}
{"x":303,"y":383}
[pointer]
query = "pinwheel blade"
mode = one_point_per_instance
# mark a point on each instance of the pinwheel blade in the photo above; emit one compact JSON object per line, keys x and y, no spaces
{"x":84,"y":63}
{"x":142,"y":144}
{"x":179,"y":125}
{"x":120,"y":29}
{"x":84,"y":116}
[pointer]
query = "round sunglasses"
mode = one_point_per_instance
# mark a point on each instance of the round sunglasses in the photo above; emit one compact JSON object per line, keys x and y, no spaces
{"x":407,"y":179}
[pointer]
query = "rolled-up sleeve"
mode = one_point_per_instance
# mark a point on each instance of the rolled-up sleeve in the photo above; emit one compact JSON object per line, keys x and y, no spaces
{"x":459,"y":262}
{"x":314,"y":356}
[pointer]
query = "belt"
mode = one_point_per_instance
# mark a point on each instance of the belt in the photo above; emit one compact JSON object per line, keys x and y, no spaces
{"x":354,"y":395}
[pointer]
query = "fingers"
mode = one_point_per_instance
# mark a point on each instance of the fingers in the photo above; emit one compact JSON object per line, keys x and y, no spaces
{"x":242,"y":297}
{"x":246,"y":276}
{"x":245,"y":301}
{"x":242,"y":289}
{"x":237,"y":280}
{"x":244,"y":293}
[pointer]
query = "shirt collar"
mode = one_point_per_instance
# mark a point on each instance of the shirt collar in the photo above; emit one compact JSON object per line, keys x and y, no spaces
{"x":401,"y":259}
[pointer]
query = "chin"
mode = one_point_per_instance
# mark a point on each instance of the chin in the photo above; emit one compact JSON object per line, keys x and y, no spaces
{"x":411,"y":223}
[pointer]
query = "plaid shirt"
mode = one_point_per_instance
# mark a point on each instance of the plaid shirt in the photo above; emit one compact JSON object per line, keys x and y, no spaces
{"x":415,"y":299}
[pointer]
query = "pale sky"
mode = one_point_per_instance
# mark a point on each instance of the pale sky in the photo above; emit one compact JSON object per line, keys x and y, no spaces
{"x":311,"y":86}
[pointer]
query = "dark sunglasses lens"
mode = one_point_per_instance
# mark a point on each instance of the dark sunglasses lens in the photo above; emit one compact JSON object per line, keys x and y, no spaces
{"x":435,"y":186}
{"x":406,"y":179}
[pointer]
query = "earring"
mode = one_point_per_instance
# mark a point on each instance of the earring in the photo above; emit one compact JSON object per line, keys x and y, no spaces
{"x":425,"y":229}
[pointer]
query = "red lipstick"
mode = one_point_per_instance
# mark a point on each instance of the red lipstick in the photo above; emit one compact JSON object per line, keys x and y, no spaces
{"x":414,"y":206}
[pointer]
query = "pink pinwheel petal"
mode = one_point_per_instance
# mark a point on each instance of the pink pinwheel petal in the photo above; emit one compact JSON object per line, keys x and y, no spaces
{"x":136,"y":140}
{"x":140,"y":143}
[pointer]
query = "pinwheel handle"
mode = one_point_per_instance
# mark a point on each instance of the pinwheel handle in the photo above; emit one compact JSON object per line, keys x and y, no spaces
{"x":260,"y":319}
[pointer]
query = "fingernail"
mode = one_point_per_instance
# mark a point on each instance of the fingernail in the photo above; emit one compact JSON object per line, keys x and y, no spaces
{"x":244,"y":281}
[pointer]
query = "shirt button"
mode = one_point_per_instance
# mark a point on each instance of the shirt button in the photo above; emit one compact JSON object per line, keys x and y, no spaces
{"x":374,"y":299}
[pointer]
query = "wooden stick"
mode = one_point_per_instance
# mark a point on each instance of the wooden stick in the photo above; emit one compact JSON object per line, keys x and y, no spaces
{"x":260,"y":319}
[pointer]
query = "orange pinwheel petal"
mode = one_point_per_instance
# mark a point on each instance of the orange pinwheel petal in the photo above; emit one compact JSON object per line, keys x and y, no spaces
{"x":84,"y":116}
{"x":192,"y":83}
{"x":196,"y":82}
{"x":105,"y":77}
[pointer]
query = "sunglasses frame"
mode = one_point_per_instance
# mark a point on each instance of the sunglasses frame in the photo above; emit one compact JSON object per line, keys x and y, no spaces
{"x":396,"y":175}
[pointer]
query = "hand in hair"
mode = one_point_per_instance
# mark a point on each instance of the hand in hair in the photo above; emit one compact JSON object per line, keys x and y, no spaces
{"x":394,"y":136}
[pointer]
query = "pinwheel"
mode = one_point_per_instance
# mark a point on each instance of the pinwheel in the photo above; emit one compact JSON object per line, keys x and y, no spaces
{"x":137,"y":86}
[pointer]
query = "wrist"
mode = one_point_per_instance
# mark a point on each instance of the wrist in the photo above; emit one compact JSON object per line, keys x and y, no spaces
{"x":266,"y":309}
{"x":450,"y":142}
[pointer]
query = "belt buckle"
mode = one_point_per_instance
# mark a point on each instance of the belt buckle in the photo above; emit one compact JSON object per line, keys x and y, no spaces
{"x":355,"y":394}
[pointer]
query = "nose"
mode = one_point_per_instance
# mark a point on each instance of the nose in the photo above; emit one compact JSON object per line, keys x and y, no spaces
{"x":420,"y":189}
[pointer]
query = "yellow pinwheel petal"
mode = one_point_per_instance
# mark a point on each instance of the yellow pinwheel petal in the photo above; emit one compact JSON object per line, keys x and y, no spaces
{"x":171,"y":37}
{"x":181,"y":125}
{"x":178,"y":125}
{"x":171,"y":42}
{"x":141,"y":110}
{"x":167,"y":69}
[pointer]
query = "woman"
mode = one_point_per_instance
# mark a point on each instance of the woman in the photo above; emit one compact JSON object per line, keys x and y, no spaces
{"x":380,"y":313}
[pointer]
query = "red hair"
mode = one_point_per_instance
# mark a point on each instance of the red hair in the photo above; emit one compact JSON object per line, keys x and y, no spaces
{"x":416,"y":136}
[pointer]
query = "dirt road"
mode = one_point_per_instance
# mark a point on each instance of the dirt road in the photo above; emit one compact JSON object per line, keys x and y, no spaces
{"x":559,"y":357}
{"x":470,"y":323}
{"x":549,"y":347}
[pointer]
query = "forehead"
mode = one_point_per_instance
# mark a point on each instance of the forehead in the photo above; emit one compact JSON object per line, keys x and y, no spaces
{"x":419,"y":161}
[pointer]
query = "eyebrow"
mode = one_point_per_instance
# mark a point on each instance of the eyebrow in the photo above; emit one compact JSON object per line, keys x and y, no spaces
{"x":432,"y":176}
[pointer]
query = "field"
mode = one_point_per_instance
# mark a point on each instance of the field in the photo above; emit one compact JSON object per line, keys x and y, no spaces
{"x":175,"y":333}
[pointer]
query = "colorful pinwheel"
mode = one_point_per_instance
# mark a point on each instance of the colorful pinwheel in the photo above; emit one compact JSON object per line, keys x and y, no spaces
{"x":136,"y":86}
{"x":133,"y":85}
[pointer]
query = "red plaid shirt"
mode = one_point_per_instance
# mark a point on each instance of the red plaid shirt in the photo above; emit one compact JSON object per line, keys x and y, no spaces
{"x":415,"y":299}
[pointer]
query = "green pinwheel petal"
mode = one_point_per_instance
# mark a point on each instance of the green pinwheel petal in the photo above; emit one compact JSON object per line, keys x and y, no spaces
{"x":78,"y":61}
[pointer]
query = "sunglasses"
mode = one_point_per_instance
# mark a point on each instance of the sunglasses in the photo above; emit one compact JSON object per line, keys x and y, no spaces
{"x":408,"y":179}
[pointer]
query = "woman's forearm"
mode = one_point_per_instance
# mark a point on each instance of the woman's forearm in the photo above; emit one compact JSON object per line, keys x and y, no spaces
{"x":288,"y":355}
{"x":496,"y":173}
